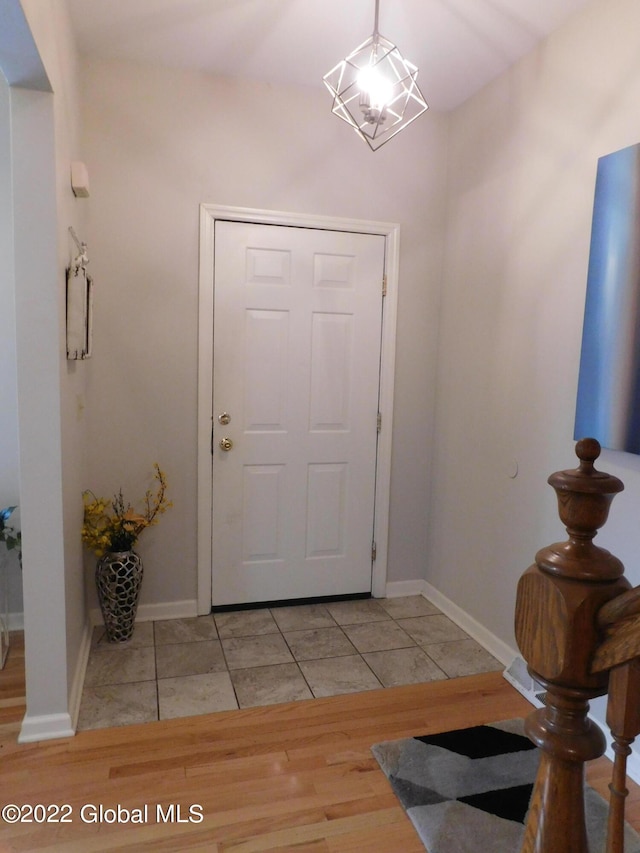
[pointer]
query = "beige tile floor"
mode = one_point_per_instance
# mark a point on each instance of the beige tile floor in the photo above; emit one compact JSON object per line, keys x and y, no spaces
{"x":183,"y":667}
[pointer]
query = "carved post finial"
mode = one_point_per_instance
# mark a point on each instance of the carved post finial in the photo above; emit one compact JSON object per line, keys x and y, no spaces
{"x":557,"y":632}
{"x":584,"y":498}
{"x":587,"y":450}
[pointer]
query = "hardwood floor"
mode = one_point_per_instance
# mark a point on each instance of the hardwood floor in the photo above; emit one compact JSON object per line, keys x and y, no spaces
{"x":298,"y":776}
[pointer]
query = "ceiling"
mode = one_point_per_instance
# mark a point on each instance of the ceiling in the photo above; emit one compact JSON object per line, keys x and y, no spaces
{"x":458,"y":45}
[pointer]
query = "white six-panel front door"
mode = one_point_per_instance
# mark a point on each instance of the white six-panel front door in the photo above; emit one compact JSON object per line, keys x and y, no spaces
{"x":297,"y":325}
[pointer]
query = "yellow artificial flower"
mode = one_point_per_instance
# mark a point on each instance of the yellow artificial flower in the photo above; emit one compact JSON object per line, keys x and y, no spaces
{"x":116,"y":526}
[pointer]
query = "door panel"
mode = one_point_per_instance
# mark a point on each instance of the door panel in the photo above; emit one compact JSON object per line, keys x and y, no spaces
{"x":265,"y":370}
{"x":297,"y":321}
{"x":331,"y":363}
{"x":326,"y":501}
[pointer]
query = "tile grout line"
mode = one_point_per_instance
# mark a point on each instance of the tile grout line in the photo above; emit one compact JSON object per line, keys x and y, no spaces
{"x":279,"y":630}
{"x":295,"y":660}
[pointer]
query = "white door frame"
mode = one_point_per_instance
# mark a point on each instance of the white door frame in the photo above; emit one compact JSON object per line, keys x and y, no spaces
{"x":391,"y":231}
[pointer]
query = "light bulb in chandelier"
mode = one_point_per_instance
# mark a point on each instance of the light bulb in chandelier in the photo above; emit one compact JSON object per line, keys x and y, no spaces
{"x":376,"y":93}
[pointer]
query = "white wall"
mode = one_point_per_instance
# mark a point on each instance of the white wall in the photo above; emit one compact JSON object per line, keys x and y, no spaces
{"x":52,"y":30}
{"x":522,"y":172}
{"x":38,"y":411}
{"x":45,"y":131}
{"x":9,"y":460}
{"x":8,"y":384}
{"x":158,"y":143}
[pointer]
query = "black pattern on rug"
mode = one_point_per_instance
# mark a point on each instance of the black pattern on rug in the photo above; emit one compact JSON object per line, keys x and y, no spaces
{"x":468,"y":790}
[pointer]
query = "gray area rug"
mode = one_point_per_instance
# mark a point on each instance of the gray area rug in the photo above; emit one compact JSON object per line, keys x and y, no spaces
{"x":468,"y":790}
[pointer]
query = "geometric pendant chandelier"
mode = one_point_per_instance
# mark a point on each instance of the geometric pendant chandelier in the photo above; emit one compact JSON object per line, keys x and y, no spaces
{"x":375,"y":89}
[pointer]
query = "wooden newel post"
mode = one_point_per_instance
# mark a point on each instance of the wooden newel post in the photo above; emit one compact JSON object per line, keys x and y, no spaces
{"x":557,"y":632}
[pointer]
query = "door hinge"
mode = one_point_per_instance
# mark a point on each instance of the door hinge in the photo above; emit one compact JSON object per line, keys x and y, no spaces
{"x":374,"y":551}
{"x":384,"y":284}
{"x":379,"y":422}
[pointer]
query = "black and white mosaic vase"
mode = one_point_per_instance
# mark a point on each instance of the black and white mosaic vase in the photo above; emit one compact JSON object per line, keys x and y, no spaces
{"x":118,"y":581}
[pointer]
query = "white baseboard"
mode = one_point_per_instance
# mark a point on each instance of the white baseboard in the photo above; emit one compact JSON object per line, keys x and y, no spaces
{"x":16,"y":621}
{"x":154,"y":612}
{"x":503,"y":652}
{"x":45,"y":727}
{"x":78,"y":679}
{"x":397,"y":589}
{"x":499,"y":649}
{"x":50,"y":726}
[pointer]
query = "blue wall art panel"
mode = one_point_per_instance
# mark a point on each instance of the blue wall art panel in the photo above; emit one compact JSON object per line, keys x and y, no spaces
{"x":608,"y":405}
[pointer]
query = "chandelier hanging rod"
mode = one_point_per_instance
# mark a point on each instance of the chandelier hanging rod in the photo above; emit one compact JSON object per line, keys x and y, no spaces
{"x":375,"y":89}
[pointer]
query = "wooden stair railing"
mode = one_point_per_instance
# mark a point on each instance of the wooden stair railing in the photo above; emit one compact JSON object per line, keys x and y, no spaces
{"x":623,"y":718}
{"x":619,"y":654}
{"x":563,"y":604}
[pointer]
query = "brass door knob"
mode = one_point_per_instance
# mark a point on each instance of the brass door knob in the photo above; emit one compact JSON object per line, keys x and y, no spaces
{"x":226,"y":444}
